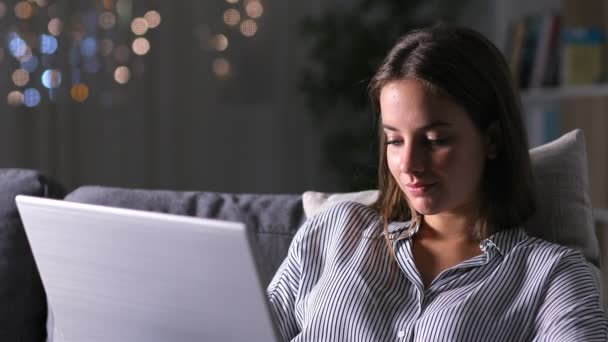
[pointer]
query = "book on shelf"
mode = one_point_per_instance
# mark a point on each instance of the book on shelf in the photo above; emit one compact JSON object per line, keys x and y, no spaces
{"x":583,"y":42}
{"x":568,"y":48}
{"x":516,"y":46}
{"x":528,"y":54}
{"x":546,"y":63}
{"x":533,"y":51}
{"x":582,"y":54}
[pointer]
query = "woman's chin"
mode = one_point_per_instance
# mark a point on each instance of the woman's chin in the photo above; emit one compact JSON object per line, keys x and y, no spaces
{"x":425,"y":207}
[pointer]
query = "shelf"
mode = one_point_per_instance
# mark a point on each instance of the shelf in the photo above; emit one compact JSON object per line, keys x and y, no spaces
{"x":543,"y":95}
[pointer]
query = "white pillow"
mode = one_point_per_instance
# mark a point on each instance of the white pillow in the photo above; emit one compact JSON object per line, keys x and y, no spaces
{"x":314,"y":201}
{"x":564,"y":213}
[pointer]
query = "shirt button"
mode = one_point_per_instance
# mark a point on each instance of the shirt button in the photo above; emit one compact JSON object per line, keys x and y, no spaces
{"x":401,"y":334}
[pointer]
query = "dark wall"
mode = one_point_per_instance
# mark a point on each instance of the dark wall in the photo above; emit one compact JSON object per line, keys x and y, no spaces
{"x":177,"y":126}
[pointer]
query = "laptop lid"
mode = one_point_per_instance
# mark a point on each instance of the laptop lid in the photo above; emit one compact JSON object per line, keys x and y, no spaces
{"x":115,"y":274}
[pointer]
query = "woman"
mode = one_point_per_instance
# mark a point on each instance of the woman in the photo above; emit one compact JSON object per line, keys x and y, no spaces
{"x":441,"y":256}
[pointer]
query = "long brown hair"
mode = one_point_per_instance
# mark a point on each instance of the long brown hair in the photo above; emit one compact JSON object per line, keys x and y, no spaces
{"x":468,"y":68}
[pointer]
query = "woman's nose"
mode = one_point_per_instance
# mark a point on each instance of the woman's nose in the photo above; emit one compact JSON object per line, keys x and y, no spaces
{"x":412,"y":159}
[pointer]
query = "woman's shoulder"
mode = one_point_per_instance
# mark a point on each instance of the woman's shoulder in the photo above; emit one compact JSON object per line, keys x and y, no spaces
{"x":345,"y":210}
{"x":345,"y":217}
{"x":551,"y":252}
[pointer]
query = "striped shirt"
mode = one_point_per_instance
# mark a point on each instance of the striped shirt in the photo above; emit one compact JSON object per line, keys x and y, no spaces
{"x":336,"y":285}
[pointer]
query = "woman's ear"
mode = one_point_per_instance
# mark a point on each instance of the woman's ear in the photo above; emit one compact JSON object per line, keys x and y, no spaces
{"x":493,"y":140}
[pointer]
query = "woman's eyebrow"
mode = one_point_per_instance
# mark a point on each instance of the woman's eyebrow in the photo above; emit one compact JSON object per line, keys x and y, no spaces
{"x":426,"y":127}
{"x":390,"y":128}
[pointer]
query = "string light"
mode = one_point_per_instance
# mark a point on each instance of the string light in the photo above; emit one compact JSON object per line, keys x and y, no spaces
{"x":107,"y":20}
{"x":86,"y":49}
{"x":122,"y":74}
{"x":79,"y":92}
{"x":20,"y":77}
{"x":48,"y":44}
{"x":17,"y":46}
{"x":249,"y":28}
{"x":139,"y":26}
{"x":232,"y":17}
{"x":31,"y":97}
{"x":15,"y":98}
{"x":55,"y":26}
{"x":254,"y":9}
{"x":220,"y":42}
{"x":24,"y":10}
{"x":153,"y":18}
{"x":141,"y":46}
{"x":51,"y":78}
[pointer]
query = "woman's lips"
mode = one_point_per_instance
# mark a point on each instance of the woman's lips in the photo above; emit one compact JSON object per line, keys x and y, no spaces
{"x":419,"y":189}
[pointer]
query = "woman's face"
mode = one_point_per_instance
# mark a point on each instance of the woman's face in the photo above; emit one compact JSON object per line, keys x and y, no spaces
{"x":433,"y":149}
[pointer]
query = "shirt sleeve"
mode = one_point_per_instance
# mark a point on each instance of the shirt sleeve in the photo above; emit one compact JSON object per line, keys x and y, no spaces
{"x":571,"y":310}
{"x":283,"y":290}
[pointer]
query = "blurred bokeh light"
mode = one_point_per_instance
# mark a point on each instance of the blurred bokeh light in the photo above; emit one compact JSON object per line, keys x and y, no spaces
{"x":153,"y":18}
{"x":79,"y":92}
{"x":221,"y":67}
{"x":122,"y":74}
{"x":51,"y":78}
{"x":31,"y":97}
{"x":55,"y":26}
{"x":249,"y":28}
{"x":220,"y":42}
{"x":254,"y":9}
{"x":232,"y":17}
{"x":20,"y":77}
{"x":15,"y":98}
{"x":107,"y":20}
{"x":24,"y":10}
{"x":141,"y":46}
{"x":139,"y":26}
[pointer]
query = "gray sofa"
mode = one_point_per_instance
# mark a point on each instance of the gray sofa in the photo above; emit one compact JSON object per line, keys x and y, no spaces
{"x":564,"y":216}
{"x":23,"y":314}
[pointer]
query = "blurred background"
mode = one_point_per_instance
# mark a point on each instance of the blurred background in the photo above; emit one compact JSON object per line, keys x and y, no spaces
{"x":250,"y":95}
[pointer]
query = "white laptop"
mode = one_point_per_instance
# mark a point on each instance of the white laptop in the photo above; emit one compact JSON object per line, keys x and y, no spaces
{"x":115,"y":274}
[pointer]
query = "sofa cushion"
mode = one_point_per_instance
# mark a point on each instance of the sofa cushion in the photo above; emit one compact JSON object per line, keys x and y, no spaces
{"x":23,"y":310}
{"x":273,"y":219}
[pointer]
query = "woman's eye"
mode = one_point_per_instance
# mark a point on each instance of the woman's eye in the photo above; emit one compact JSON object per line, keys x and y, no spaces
{"x":393,"y":142}
{"x":436,"y":141}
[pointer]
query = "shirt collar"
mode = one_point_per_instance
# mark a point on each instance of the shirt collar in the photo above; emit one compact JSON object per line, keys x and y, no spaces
{"x":401,"y":229}
{"x":502,"y":241}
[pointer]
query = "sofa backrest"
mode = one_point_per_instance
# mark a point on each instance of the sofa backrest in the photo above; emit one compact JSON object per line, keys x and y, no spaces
{"x":271,"y":219}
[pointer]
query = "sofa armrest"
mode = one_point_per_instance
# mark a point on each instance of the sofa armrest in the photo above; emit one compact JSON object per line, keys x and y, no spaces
{"x":23,"y":311}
